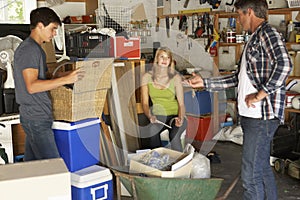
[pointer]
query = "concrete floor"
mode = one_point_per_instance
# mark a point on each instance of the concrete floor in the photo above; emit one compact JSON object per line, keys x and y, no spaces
{"x":229,"y":168}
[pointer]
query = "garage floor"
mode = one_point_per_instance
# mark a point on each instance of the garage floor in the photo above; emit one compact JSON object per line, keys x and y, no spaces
{"x":229,"y":168}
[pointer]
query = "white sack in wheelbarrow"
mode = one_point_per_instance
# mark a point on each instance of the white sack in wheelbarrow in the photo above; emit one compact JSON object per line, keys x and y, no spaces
{"x":201,"y":166}
{"x":200,"y":163}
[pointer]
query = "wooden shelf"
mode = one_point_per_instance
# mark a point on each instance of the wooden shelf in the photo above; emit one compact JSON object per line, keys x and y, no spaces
{"x":224,"y":44}
{"x":223,"y":14}
{"x":292,"y":110}
{"x":286,"y":12}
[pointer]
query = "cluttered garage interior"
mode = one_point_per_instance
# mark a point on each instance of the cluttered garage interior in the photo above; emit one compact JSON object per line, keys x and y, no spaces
{"x":133,"y":125}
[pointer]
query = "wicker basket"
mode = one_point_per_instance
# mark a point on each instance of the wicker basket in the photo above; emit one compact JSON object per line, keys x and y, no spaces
{"x":87,"y":98}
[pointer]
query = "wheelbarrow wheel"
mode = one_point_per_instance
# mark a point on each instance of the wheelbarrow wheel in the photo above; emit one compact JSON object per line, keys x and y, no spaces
{"x":279,"y":166}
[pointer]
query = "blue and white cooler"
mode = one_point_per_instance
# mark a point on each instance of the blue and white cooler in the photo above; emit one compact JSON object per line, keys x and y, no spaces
{"x":92,"y":183}
{"x":78,"y":142}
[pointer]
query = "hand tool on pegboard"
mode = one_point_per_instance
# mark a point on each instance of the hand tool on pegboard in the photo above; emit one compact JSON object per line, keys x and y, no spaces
{"x":183,"y":24}
{"x":157,"y":24}
{"x":186,"y":3}
{"x":200,"y":28}
{"x":193,"y":24}
{"x":168,"y":26}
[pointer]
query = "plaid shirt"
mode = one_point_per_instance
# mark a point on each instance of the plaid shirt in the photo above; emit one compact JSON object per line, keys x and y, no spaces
{"x":268,"y":66}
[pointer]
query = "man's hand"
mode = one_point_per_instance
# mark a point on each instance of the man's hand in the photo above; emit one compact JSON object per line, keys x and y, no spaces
{"x":196,"y":81}
{"x":255,"y":97}
{"x":251,"y":99}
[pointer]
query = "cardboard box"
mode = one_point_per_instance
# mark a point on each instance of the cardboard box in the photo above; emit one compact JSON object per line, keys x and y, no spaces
{"x":35,"y":180}
{"x":78,"y":142}
{"x":181,"y":169}
{"x":125,"y":48}
{"x":84,"y":99}
{"x":94,"y":182}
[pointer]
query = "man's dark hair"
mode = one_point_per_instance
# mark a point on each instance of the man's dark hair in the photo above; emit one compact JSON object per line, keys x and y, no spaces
{"x":44,"y":15}
{"x":260,"y":7}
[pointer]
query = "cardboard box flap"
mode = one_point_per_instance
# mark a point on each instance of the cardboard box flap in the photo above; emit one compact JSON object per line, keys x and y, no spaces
{"x":32,"y":169}
{"x":95,"y":75}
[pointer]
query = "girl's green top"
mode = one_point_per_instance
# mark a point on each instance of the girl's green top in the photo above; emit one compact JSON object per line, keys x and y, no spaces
{"x":164,"y":100}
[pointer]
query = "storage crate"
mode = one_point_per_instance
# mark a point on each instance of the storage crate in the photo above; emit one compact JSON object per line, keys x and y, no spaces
{"x":125,"y":48}
{"x":293,"y":3}
{"x":199,"y":103}
{"x":78,"y":142}
{"x":92,"y":45}
{"x":199,"y":128}
{"x":91,"y":183}
{"x":85,"y":99}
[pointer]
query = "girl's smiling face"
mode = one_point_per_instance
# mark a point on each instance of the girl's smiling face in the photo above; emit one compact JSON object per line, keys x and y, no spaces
{"x":164,"y":59}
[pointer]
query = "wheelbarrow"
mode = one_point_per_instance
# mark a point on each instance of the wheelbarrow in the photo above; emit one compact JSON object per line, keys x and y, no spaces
{"x":156,"y":188}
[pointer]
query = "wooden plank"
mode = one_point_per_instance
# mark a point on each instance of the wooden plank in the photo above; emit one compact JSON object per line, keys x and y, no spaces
{"x":70,"y":0}
{"x":127,"y":109}
{"x":122,"y":107}
{"x":113,"y":158}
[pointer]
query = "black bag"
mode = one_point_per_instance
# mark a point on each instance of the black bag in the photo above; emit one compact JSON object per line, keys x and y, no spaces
{"x":3,"y":154}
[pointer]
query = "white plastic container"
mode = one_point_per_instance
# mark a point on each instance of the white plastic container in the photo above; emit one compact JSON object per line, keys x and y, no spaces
{"x":92,"y":183}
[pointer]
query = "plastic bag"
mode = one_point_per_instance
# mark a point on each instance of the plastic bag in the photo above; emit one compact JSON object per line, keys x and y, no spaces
{"x":201,"y":166}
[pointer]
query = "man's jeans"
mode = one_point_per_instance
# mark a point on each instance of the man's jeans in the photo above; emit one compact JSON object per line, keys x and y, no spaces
{"x":40,"y":142}
{"x":257,"y":175}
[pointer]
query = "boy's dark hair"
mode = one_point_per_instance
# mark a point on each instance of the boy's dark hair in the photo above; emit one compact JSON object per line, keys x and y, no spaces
{"x":260,"y":7}
{"x":44,"y":15}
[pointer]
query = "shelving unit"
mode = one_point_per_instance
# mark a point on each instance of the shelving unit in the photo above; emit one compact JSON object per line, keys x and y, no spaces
{"x":217,"y":15}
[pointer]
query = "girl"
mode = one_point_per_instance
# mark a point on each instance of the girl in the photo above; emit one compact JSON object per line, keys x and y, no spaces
{"x":164,"y":87}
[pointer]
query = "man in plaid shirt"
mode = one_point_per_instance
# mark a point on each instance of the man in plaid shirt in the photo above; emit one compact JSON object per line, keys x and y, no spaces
{"x":264,"y":67}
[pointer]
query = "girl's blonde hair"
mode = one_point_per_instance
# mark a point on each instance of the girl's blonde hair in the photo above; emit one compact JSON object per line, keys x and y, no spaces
{"x":171,"y":69}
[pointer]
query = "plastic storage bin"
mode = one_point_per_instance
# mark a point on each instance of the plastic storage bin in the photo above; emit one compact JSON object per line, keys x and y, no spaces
{"x":198,"y":103}
{"x":201,"y":102}
{"x":92,"y":183}
{"x":78,"y":142}
{"x":125,"y":48}
{"x":199,"y":128}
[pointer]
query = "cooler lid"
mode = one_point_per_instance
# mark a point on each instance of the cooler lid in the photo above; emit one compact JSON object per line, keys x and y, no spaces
{"x":90,"y":173}
{"x":60,"y":125}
